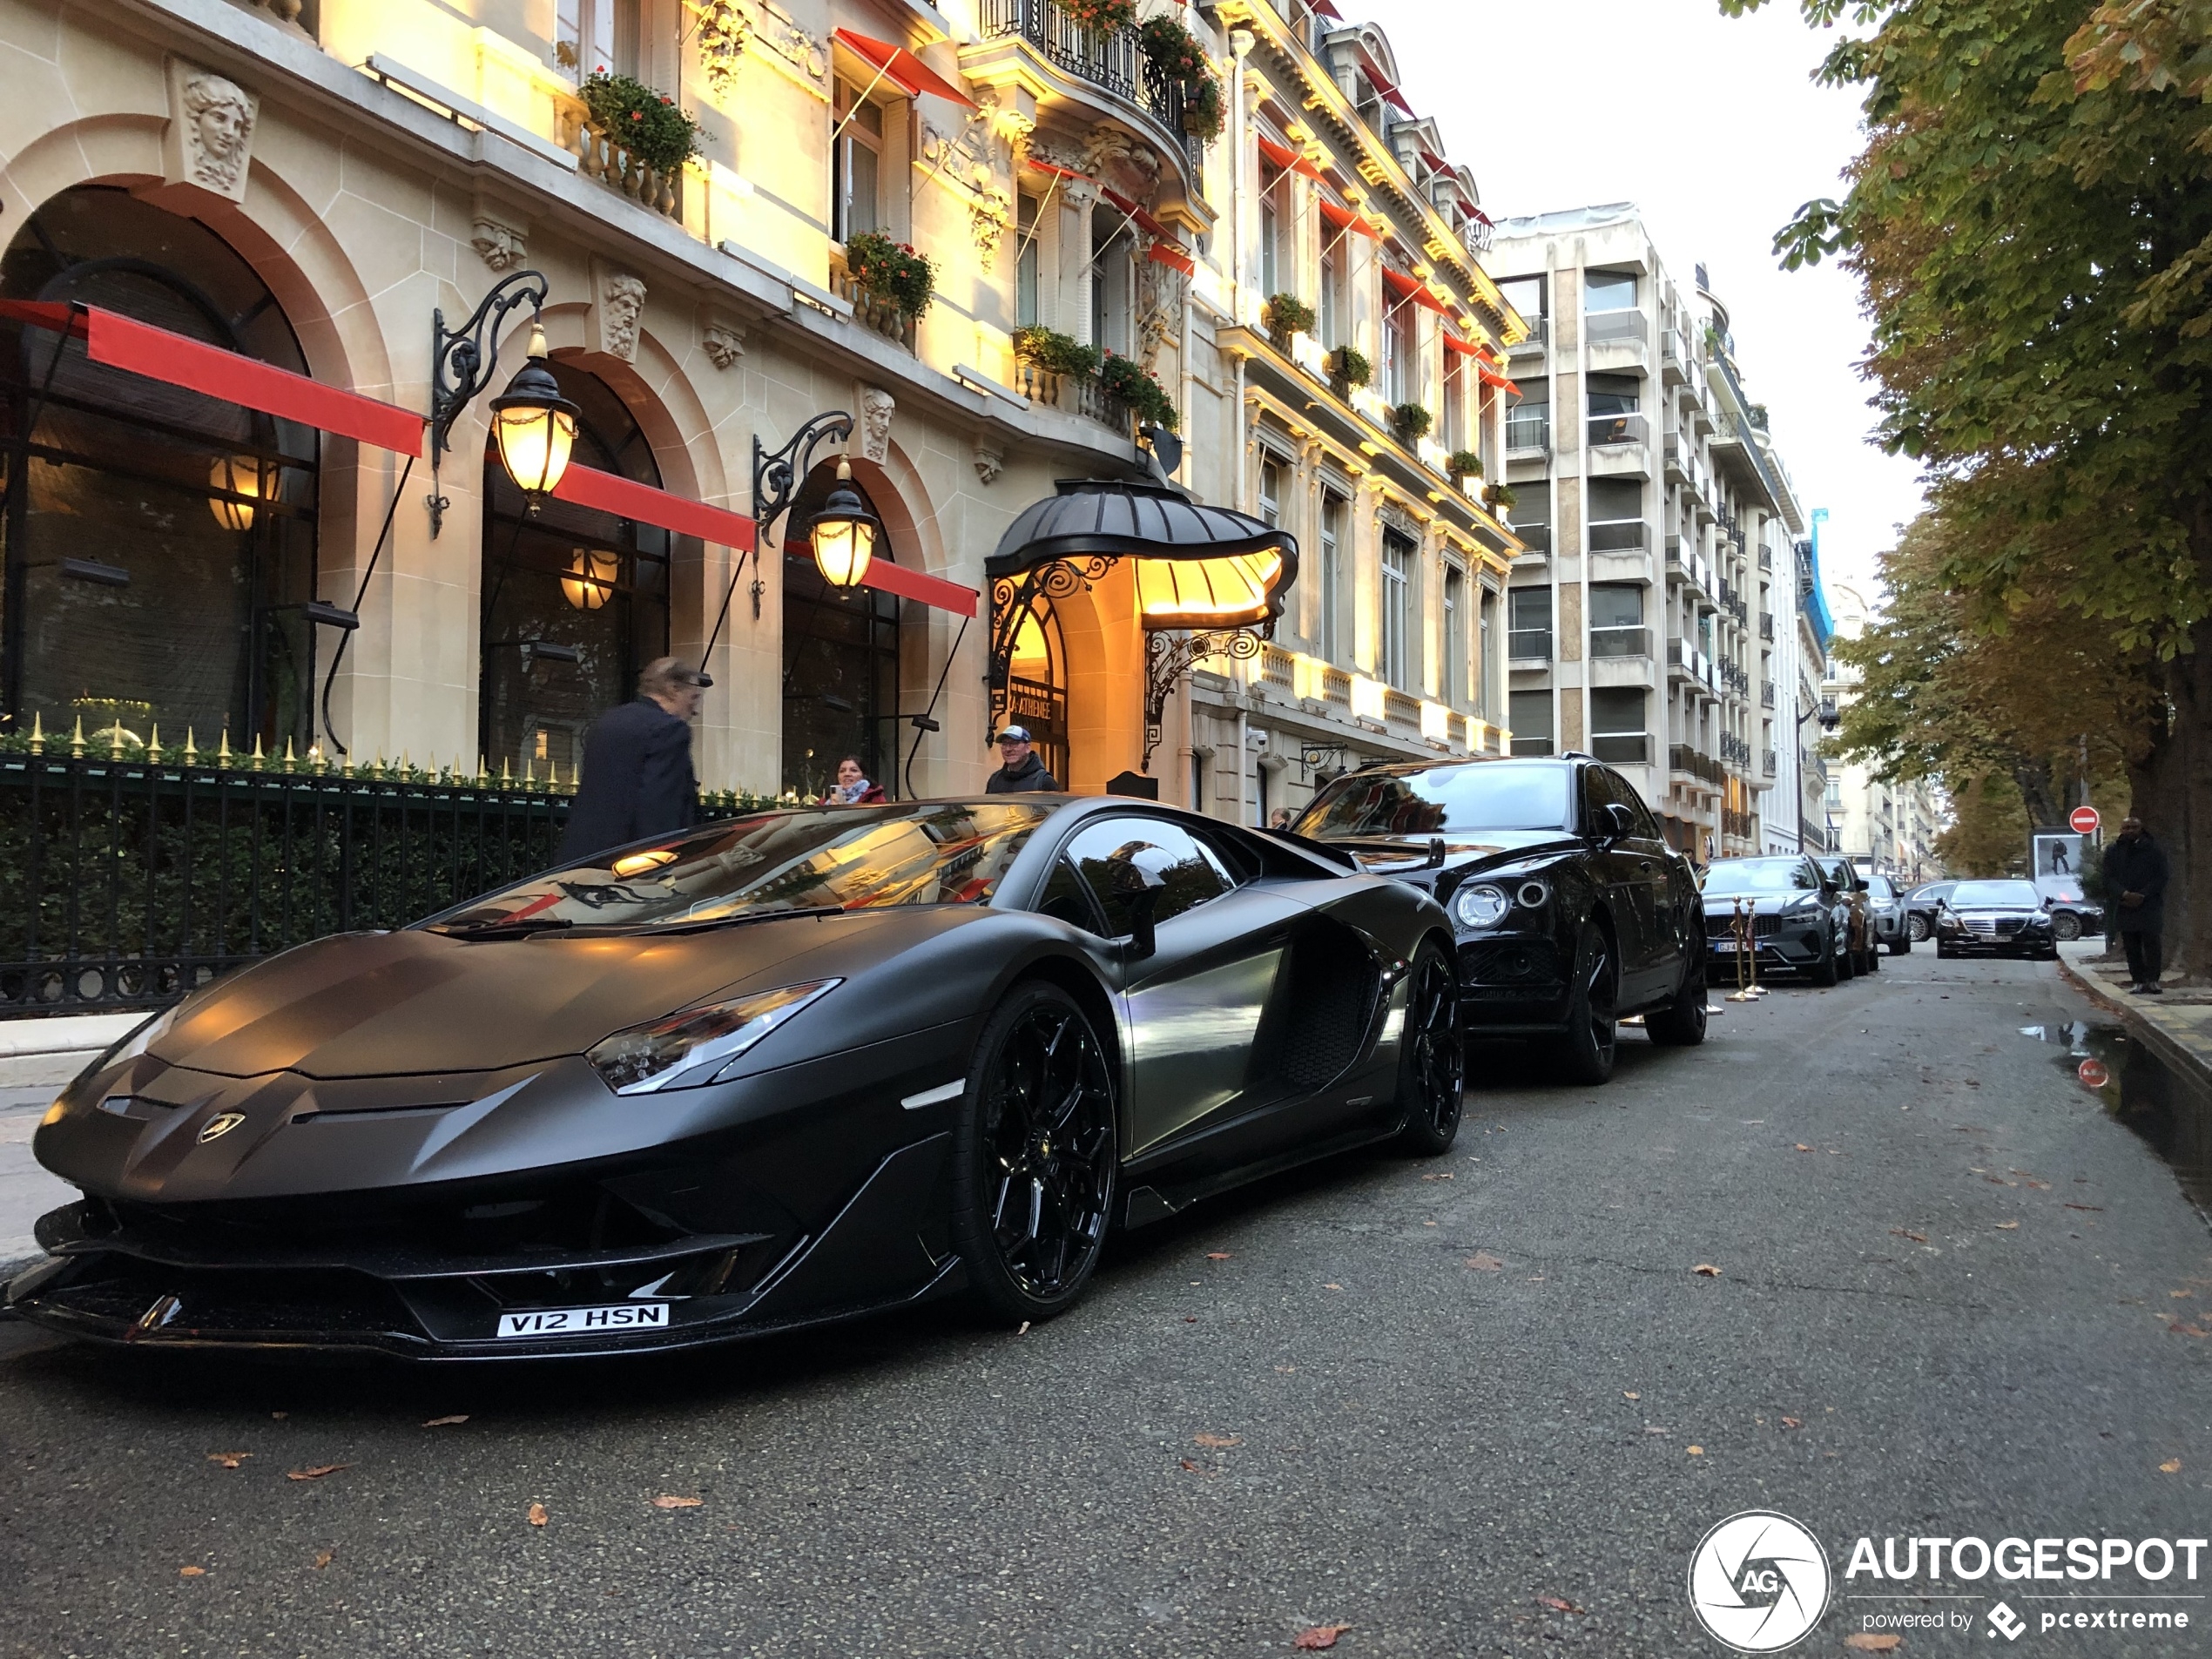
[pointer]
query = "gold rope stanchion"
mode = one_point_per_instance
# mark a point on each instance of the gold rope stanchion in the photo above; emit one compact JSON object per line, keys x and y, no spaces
{"x":1739,"y":927}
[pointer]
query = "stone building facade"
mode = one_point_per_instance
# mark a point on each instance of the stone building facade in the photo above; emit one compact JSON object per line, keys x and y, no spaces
{"x":310,"y":185}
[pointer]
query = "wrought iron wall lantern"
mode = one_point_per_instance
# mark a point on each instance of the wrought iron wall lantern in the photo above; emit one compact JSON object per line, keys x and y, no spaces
{"x":844,"y":520}
{"x":532,"y":424}
{"x":1209,"y":582}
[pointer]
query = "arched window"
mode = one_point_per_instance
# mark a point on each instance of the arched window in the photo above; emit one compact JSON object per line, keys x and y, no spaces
{"x":840,"y":665}
{"x":1037,"y":686}
{"x":575,"y":600}
{"x":158,"y":544}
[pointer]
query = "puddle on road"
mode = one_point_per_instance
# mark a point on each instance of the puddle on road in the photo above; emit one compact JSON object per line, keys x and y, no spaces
{"x":2170,"y":1112}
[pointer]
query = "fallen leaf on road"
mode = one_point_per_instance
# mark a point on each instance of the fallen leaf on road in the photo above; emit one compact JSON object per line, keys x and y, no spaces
{"x":2178,"y":1292}
{"x":1216,"y":1254}
{"x":324,"y":1557}
{"x":1802,"y":1147}
{"x":2172,"y":1466}
{"x":280,"y":1416}
{"x":447,"y":1422}
{"x":1217,"y":1440}
{"x":1192,"y":1318}
{"x":1319,"y":1638}
{"x":538,"y":1517}
{"x":1189,"y":1465}
{"x":1024,"y":1331}
{"x":1625,"y":1395}
{"x":1695,"y":1451}
{"x":192,"y":1572}
{"x":1900,"y":1232}
{"x":2097,"y":1207}
{"x":1650,"y":1429}
{"x":1706,"y":1269}
{"x":665,"y":1501}
{"x":232,"y":1460}
{"x":1436,"y":1177}
{"x":2189,"y":1330}
{"x":1483,"y":1262}
{"x":2007,"y":1226}
{"x":1332,"y":1285}
{"x":1556,"y":1604}
{"x":1866,"y":1641}
{"x":1793,"y":1422}
{"x":2041,"y":1186}
{"x":317,"y":1473}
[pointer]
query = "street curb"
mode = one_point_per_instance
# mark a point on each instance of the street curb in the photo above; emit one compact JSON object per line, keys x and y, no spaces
{"x":2153,"y":1035}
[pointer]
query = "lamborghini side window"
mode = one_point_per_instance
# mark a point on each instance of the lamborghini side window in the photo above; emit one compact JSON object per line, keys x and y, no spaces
{"x":1110,"y":852}
{"x":1066,"y":898}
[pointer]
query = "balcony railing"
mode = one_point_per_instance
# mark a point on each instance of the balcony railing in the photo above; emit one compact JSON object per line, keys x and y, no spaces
{"x":1682,"y":758}
{"x":1616,"y":325}
{"x":1073,"y":396}
{"x":1621,"y":748}
{"x":1532,"y":745}
{"x":1107,"y":58}
{"x":1766,"y":625}
{"x":872,"y":311}
{"x":1528,"y":432}
{"x":1767,"y":764}
{"x":1617,"y":536}
{"x":1536,"y":538}
{"x":1766,"y":694}
{"x":1528,"y":644}
{"x":1766,"y":558}
{"x":1618,"y":429}
{"x":1620,"y":642}
{"x":1540,"y":334}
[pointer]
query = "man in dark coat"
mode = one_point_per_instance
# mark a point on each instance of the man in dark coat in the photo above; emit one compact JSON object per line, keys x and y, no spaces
{"x":638,"y":779}
{"x":2134,"y":874}
{"x":1020,"y":770}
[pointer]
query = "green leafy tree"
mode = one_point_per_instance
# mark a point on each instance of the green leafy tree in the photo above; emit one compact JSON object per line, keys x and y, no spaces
{"x":2032,"y":220}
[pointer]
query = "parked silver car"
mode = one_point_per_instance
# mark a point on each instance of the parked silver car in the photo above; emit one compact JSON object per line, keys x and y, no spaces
{"x":1886,"y":918}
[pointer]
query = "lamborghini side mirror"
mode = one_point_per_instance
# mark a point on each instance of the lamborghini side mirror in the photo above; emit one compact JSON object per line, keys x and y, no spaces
{"x":1139,"y":888}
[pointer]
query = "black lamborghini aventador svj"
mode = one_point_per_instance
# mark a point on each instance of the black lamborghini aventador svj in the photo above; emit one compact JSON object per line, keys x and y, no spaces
{"x":771,"y":1071}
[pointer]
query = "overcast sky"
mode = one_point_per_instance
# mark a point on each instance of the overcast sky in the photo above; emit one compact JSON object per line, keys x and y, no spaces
{"x":1712,"y":126}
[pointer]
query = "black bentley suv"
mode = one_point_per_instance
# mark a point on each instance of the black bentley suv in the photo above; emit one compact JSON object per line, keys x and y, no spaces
{"x":1571,"y":911}
{"x":1796,"y":921}
{"x":1996,"y":919}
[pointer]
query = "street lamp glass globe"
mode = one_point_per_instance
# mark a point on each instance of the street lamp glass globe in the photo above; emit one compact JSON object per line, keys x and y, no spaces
{"x":236,"y":475}
{"x":534,"y":425}
{"x":844,"y":533}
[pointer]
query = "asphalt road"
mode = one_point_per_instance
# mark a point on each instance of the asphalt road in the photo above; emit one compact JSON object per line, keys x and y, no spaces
{"x":1412,"y":1397}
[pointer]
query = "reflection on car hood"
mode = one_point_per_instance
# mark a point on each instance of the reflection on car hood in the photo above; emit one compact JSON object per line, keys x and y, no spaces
{"x":365,"y":1005}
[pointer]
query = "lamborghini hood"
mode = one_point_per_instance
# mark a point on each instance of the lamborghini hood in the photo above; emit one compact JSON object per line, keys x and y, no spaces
{"x":366,"y":1005}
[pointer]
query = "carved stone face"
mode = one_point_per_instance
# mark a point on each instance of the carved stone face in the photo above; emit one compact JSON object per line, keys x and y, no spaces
{"x":220,"y":122}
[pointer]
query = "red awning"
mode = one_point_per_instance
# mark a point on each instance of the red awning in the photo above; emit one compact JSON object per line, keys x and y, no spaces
{"x":1174,"y":257}
{"x":1342,"y":217}
{"x":626,"y":498}
{"x":901,"y":68}
{"x":1145,"y":222}
{"x":918,"y":585}
{"x":1383,"y":84}
{"x":1407,"y":288}
{"x":1491,"y":377}
{"x":1464,"y":347}
{"x":121,"y":342}
{"x":1283,"y":156}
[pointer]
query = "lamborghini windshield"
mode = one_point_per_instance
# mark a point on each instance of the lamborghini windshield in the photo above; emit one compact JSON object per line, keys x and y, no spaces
{"x":774,"y":863}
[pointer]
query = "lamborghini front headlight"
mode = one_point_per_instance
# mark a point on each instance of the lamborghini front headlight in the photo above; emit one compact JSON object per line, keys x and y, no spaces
{"x":696,"y":1046}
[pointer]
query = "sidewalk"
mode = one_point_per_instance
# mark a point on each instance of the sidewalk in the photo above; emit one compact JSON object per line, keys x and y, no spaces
{"x":2178,"y":1025}
{"x":37,"y":1057}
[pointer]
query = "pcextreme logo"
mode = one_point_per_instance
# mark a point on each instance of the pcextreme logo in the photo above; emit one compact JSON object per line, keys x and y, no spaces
{"x":1758,"y":1581}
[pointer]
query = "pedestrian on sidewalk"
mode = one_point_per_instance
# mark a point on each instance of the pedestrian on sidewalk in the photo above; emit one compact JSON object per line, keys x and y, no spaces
{"x":2134,"y":872}
{"x":638,"y":778}
{"x":1020,"y":770}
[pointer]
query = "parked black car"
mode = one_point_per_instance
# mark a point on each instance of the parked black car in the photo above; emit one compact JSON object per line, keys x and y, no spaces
{"x":1995,"y":919}
{"x":1571,"y":910}
{"x":1799,"y":926}
{"x":1920,"y":907}
{"x":2073,"y":913}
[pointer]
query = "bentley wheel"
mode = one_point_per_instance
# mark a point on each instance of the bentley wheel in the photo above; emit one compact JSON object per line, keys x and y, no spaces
{"x":1586,"y":1052}
{"x":1681,"y":1024}
{"x":1034,"y":1156}
{"x":1917,"y":929}
{"x":1432,"y":1057}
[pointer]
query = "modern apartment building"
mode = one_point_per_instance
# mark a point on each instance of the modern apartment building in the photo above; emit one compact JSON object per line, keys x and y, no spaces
{"x":1362,"y":349}
{"x":1651,"y":620}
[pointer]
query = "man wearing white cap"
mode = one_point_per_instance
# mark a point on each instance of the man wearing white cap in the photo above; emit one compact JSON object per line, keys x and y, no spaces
{"x":1020,"y":770}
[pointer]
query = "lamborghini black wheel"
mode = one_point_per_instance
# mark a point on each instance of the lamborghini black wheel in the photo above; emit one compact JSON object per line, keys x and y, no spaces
{"x":1034,"y":1156}
{"x":1432,"y":1063}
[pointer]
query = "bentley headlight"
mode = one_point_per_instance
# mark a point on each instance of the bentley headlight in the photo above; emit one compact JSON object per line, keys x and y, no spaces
{"x":697,"y":1046}
{"x":1480,"y":906}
